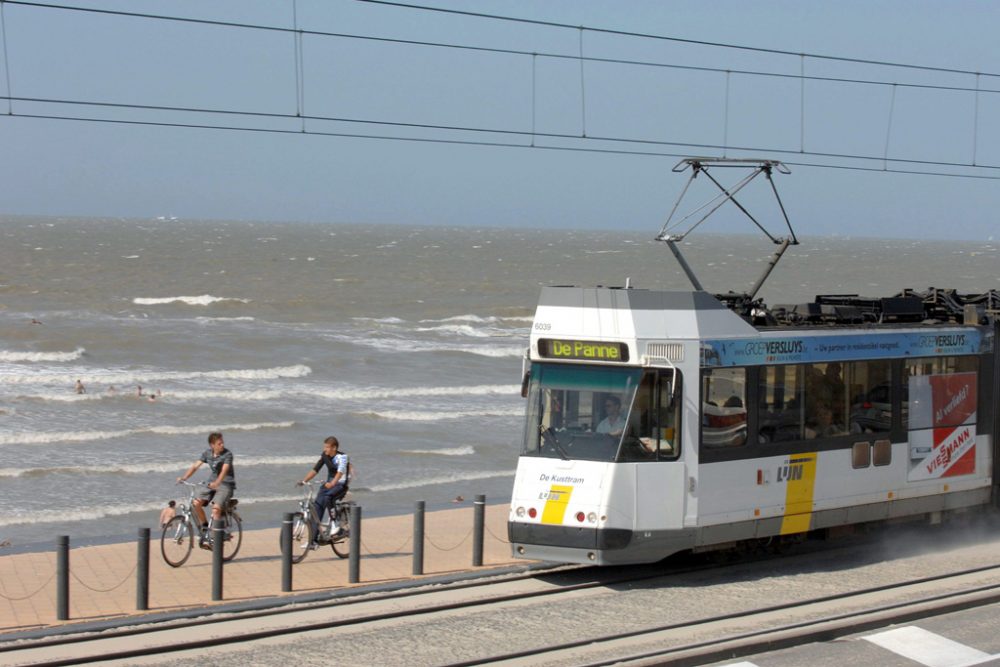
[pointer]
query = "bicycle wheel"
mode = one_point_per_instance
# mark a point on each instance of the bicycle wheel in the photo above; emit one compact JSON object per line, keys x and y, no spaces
{"x":341,"y":544}
{"x":302,"y":536}
{"x":233,"y":539}
{"x":176,"y":541}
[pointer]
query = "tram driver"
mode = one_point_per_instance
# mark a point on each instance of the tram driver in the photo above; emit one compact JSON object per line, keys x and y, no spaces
{"x":613,"y":423}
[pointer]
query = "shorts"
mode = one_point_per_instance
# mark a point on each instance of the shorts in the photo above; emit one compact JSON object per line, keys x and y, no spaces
{"x":221,"y":496}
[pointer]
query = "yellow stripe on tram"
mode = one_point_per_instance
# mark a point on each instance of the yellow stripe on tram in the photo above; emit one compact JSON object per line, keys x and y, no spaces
{"x":555,"y":504}
{"x":799,"y":488}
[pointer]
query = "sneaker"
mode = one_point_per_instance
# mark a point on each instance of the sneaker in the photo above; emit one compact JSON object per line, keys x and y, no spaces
{"x":205,"y":544}
{"x":336,"y":532}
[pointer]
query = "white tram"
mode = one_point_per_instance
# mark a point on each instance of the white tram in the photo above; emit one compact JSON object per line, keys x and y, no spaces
{"x":664,"y":421}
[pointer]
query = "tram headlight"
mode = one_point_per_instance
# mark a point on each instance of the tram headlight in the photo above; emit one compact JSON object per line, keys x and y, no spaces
{"x":592,"y":517}
{"x":519,"y":512}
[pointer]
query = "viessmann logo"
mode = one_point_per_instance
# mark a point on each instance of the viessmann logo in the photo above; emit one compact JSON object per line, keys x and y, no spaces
{"x":775,"y":347}
{"x":942,"y":340}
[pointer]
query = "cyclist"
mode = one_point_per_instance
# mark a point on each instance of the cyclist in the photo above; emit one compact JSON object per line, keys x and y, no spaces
{"x":338,"y":476}
{"x":220,"y":489}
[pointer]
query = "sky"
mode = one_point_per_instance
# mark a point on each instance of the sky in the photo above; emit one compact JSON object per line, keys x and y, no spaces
{"x":499,"y":113}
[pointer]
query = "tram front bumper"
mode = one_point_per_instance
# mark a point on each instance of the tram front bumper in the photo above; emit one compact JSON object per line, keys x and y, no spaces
{"x":566,"y":544}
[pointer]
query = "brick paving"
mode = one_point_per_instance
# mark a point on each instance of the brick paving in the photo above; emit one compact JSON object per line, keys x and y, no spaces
{"x":103,"y":583}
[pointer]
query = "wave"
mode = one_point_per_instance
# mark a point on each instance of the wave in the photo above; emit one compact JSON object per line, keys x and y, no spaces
{"x":203,"y":300}
{"x":380,"y":392}
{"x":301,"y":392}
{"x":55,"y":515}
{"x":89,"y":436}
{"x":461,"y":329}
{"x":416,"y":416}
{"x":451,"y":451}
{"x":411,"y":346}
{"x":145,"y":377}
{"x":245,"y":318}
{"x":480,"y":319}
{"x":6,"y":355}
{"x":144,"y":468}
{"x":445,"y":479}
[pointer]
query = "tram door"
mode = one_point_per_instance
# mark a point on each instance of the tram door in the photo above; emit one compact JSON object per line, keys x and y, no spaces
{"x":653,"y":444}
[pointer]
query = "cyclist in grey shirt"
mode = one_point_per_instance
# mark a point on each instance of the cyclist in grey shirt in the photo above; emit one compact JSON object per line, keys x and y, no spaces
{"x":222,"y":484}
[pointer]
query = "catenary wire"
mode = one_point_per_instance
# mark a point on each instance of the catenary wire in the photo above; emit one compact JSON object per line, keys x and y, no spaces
{"x":492,"y":131}
{"x":451,"y":128}
{"x":554,"y":55}
{"x":501,"y":144}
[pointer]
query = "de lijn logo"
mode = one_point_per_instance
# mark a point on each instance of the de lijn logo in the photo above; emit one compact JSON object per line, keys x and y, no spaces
{"x":791,"y":471}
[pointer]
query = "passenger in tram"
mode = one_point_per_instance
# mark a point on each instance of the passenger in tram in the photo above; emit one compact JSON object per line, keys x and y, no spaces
{"x":824,"y":427}
{"x":614,"y":422}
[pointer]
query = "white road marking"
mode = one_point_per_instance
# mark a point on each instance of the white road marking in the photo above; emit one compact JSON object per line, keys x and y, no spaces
{"x":927,"y":648}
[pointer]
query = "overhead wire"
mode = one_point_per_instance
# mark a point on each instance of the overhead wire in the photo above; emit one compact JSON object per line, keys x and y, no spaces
{"x":530,"y":135}
{"x":441,"y":127}
{"x":626,"y":33}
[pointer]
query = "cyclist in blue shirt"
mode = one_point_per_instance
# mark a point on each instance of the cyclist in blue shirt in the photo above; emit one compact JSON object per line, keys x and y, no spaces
{"x":338,"y":477}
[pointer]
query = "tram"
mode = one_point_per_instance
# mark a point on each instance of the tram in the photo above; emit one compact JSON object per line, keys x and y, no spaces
{"x":663,"y":421}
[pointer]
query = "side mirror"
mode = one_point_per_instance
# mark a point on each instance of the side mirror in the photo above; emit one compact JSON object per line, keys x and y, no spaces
{"x":524,"y":384}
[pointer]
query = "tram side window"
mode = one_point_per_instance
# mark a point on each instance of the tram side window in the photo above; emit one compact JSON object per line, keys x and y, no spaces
{"x":939,"y":392}
{"x":782,"y":409}
{"x":653,"y":431}
{"x":870,"y":385}
{"x":723,"y":407}
{"x":824,"y":400}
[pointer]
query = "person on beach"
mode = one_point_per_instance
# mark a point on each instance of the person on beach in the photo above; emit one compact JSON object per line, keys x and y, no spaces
{"x":168,"y":513}
{"x":80,"y":389}
{"x":220,"y":489}
{"x":338,"y":475}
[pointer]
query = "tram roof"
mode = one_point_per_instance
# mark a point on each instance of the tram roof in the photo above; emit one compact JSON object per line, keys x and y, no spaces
{"x":638,"y":313}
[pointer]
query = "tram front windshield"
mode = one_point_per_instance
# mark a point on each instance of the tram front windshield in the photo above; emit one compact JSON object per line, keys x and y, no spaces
{"x":578,"y":412}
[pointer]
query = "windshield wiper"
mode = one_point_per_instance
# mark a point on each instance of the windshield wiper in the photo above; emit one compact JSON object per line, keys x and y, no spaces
{"x":550,"y":437}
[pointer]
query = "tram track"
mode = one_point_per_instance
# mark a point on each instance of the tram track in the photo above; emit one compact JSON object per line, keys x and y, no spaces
{"x":822,"y":622}
{"x":213,"y":629}
{"x":689,"y":640}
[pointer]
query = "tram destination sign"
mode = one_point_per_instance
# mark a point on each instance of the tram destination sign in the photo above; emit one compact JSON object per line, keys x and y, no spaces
{"x":586,"y":350}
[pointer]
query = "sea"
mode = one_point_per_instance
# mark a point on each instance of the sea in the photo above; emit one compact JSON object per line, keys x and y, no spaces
{"x":405,"y":342}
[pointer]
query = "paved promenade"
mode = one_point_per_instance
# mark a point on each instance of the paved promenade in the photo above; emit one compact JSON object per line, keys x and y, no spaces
{"x":103,"y":582}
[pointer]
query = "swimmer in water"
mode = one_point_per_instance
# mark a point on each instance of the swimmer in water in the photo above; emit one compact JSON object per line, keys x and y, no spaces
{"x":80,"y":389}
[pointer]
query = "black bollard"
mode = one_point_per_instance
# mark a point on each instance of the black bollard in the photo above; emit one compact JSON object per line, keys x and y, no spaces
{"x":62,"y":578}
{"x":478,"y":523}
{"x":286,"y":552}
{"x":418,"y":537}
{"x":218,"y":535}
{"x":354,"y":559}
{"x":142,"y":571}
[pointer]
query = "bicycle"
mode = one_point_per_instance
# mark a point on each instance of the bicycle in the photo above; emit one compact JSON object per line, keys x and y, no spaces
{"x":180,"y":533}
{"x":303,"y":533}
